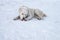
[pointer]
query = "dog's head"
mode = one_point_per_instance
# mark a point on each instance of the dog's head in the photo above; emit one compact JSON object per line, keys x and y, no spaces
{"x":23,"y":11}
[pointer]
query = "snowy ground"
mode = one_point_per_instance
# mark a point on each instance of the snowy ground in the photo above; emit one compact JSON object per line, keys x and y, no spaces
{"x":47,"y":29}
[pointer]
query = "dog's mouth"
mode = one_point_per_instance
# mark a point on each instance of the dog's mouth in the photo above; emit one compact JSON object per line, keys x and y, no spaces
{"x":24,"y":19}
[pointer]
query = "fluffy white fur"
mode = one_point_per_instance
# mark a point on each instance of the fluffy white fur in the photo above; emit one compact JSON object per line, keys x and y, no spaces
{"x":26,"y":13}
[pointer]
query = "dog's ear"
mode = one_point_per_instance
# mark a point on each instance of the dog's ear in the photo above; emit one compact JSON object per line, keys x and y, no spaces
{"x":27,"y":16}
{"x":18,"y":17}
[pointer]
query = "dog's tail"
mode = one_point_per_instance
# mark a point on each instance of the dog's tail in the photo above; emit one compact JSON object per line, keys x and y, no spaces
{"x":18,"y":17}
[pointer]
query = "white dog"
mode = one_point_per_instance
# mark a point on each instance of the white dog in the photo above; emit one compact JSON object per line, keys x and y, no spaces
{"x":26,"y":13}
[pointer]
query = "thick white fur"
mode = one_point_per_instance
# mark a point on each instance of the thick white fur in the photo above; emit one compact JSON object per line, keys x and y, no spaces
{"x":25,"y":11}
{"x":39,"y":14}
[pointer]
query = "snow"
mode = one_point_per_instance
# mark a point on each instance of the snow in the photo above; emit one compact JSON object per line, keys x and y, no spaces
{"x":47,"y":29}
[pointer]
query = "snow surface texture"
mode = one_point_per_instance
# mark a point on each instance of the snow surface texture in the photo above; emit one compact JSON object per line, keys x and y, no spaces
{"x":47,"y":29}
